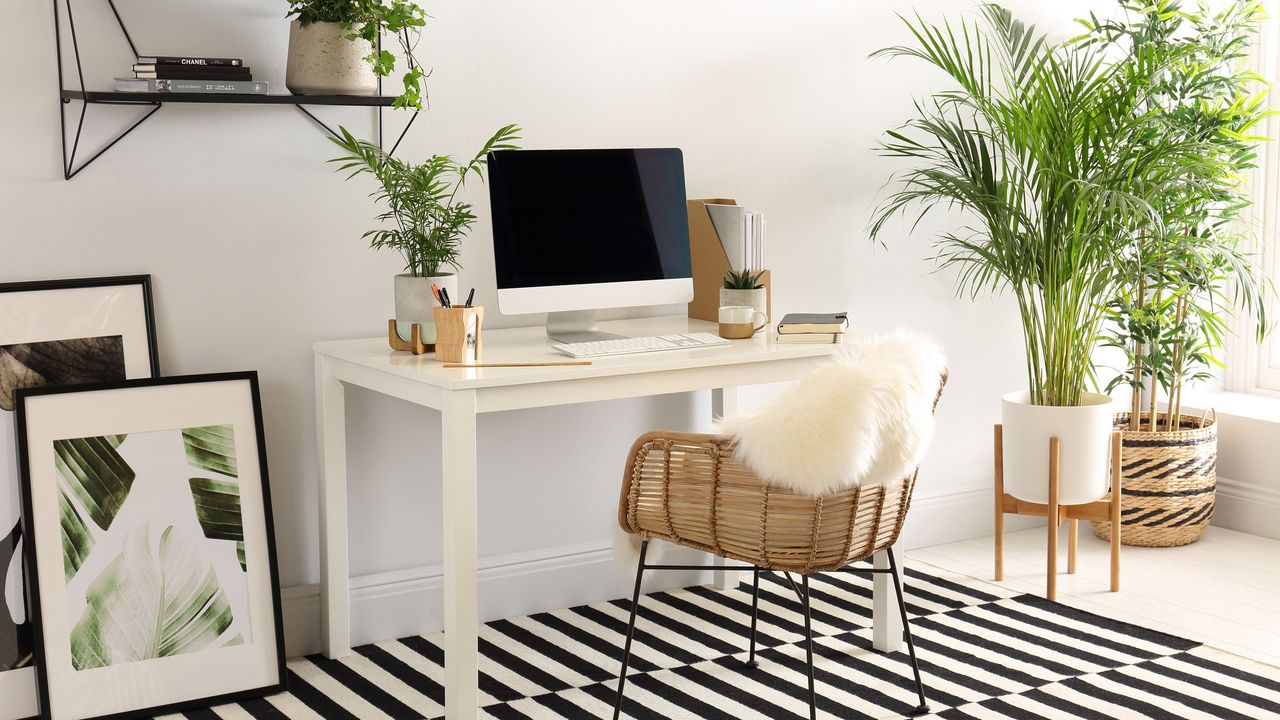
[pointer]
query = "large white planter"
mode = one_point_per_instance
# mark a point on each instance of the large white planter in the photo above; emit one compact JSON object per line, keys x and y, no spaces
{"x":322,"y":61}
{"x":1085,"y":434}
{"x":414,"y":302}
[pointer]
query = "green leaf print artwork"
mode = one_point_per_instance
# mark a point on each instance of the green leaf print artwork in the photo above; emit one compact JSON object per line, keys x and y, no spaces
{"x":152,"y":601}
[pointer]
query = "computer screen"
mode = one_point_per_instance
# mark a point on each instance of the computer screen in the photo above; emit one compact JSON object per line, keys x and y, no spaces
{"x":571,"y":217}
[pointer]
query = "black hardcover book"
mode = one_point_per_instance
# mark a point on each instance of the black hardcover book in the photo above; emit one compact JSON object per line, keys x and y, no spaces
{"x":196,"y":61}
{"x":192,"y":72}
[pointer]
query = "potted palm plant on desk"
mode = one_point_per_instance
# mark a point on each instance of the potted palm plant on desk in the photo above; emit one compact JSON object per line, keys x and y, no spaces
{"x":425,"y":220}
{"x":1044,"y":146}
{"x":1185,"y":274}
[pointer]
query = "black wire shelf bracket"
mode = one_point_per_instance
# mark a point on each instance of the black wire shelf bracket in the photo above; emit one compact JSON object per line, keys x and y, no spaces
{"x":151,"y":102}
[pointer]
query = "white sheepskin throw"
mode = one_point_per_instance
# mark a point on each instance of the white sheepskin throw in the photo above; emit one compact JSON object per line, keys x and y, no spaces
{"x":864,"y":419}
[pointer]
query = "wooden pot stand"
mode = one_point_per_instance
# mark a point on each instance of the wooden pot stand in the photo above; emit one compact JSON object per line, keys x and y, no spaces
{"x":1107,"y":510}
{"x":413,"y":345}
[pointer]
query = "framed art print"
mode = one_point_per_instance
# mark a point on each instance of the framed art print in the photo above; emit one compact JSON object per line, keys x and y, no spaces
{"x":59,"y":332}
{"x":151,"y":555}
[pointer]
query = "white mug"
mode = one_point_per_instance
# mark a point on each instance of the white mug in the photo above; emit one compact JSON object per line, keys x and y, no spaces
{"x":738,"y":322}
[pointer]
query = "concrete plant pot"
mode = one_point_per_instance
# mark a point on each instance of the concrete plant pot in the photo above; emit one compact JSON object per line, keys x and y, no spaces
{"x":414,"y":303}
{"x":322,"y":61}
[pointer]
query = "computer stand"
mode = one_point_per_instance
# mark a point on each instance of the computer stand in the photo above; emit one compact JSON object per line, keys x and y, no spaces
{"x":575,"y":326}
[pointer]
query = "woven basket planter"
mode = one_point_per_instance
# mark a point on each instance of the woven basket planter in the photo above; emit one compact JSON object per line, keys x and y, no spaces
{"x":1169,"y":482}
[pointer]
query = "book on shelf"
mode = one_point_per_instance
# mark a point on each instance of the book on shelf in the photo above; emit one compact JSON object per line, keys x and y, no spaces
{"x":189,"y":61}
{"x":213,"y":87}
{"x":799,"y":323}
{"x":191,"y":72}
{"x":814,"y":338}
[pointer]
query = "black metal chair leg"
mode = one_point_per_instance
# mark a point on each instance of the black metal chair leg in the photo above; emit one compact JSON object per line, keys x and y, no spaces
{"x":631,"y":631}
{"x":755,"y":611}
{"x":923,"y":707}
{"x":808,"y":649}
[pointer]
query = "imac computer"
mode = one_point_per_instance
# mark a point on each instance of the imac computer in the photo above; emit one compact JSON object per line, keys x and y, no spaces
{"x":575,"y":231}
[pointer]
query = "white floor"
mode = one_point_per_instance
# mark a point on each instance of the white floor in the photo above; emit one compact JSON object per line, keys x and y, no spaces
{"x":1223,"y":591}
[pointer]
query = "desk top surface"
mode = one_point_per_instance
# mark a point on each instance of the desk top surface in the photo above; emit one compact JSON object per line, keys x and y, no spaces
{"x":530,"y":344}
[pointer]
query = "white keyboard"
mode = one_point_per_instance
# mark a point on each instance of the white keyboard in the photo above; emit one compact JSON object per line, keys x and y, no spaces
{"x":628,"y":346}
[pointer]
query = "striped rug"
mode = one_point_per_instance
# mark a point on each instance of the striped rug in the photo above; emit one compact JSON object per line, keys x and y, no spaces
{"x":985,"y":653}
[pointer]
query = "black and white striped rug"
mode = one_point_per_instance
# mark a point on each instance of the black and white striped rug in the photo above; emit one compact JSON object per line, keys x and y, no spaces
{"x":985,"y":653}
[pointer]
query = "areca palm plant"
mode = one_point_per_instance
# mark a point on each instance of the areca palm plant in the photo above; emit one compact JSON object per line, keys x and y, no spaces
{"x":1045,"y":148}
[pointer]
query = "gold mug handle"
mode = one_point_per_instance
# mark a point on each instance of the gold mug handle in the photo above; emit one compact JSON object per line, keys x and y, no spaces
{"x":762,"y":325}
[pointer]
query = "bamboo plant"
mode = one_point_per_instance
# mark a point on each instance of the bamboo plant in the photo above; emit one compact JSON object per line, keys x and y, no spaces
{"x":1044,"y":147}
{"x":1185,"y":275}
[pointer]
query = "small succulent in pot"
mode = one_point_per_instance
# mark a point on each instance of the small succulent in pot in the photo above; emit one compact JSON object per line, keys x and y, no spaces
{"x":745,"y":288}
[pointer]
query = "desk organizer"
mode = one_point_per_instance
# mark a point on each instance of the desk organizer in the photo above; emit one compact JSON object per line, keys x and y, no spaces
{"x":710,"y":263}
{"x":458,"y":338}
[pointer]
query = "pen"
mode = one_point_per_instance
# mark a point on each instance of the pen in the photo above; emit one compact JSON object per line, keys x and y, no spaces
{"x":444,"y":297}
{"x":470,"y":296}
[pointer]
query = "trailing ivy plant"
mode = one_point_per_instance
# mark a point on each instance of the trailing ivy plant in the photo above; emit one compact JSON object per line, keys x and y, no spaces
{"x":1185,"y":276}
{"x":425,"y":219}
{"x":369,"y":20}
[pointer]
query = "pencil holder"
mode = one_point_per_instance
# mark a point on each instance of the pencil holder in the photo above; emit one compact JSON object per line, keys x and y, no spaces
{"x":458,"y":334}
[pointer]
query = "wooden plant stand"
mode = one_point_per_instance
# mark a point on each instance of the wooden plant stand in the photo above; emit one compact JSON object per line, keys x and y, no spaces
{"x":1055,"y":513}
{"x":414,"y":345}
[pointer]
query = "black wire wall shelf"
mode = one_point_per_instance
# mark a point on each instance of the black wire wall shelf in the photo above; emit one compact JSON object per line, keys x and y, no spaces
{"x":156,"y":100}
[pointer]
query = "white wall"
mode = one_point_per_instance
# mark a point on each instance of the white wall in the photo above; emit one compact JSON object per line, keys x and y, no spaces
{"x":255,"y":251}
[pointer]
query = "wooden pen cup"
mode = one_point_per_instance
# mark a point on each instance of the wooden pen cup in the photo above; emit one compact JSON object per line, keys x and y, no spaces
{"x":458,"y":338}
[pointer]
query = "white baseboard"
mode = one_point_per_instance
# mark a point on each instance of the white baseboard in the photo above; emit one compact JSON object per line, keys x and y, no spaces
{"x":408,"y":602}
{"x":1247,"y":507}
{"x":951,"y":515}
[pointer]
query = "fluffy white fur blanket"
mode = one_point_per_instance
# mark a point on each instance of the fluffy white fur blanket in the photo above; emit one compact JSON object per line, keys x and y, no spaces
{"x":864,"y":419}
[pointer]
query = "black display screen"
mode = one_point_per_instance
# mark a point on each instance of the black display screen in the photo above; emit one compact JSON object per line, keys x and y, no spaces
{"x":570,"y":217}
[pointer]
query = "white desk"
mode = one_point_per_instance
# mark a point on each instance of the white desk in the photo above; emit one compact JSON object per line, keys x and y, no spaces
{"x":461,"y":394}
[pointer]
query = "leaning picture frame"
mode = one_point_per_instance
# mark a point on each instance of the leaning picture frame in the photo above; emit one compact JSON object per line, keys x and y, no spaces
{"x":55,"y":332}
{"x":153,"y":579}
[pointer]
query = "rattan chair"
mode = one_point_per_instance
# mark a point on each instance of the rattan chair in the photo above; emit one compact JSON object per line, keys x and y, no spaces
{"x":688,"y":489}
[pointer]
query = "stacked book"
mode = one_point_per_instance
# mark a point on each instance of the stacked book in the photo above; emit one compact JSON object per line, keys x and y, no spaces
{"x":813,"y":327}
{"x":191,"y":75}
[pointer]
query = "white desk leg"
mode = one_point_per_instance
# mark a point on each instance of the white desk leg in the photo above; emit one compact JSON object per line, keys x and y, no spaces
{"x":461,"y":611}
{"x":331,"y":439}
{"x":724,"y":402}
{"x":886,"y":621}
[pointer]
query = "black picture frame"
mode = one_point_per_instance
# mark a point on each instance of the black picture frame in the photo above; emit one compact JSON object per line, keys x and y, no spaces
{"x":143,"y":280}
{"x":31,"y":549}
{"x":8,"y":710}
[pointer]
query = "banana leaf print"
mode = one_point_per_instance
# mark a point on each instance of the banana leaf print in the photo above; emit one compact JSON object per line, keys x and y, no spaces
{"x":77,"y":541}
{"x":15,"y":638}
{"x":150,"y":604}
{"x":211,"y":448}
{"x":218,"y":510}
{"x":94,"y":473}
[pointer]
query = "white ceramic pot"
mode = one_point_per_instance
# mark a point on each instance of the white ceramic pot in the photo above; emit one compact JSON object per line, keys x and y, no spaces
{"x":414,"y":302}
{"x":1085,"y":435}
{"x":322,"y":61}
{"x":755,"y":298}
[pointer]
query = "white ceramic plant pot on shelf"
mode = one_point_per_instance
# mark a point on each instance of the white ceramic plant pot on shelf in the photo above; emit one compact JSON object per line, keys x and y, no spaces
{"x":414,"y":302}
{"x":322,"y":61}
{"x":1085,"y":435}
